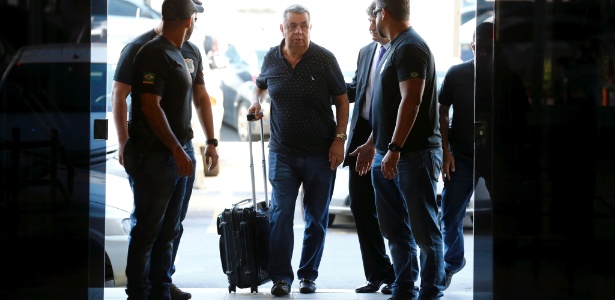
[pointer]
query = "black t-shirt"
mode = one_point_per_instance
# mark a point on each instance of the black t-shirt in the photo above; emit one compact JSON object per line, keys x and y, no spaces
{"x":457,"y":91}
{"x":123,"y":71}
{"x":302,"y":121}
{"x":159,"y":68}
{"x":190,"y":52}
{"x":408,"y":57}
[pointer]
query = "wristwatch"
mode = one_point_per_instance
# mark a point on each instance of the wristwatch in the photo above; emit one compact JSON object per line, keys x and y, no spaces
{"x":212,"y":142}
{"x":342,"y":136}
{"x":393,"y":147}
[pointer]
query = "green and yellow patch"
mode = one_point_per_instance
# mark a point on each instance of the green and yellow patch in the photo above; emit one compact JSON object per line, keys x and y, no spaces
{"x":149,"y":78}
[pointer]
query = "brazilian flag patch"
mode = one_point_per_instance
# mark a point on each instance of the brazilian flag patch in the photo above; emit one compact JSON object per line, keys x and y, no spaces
{"x":149,"y":78}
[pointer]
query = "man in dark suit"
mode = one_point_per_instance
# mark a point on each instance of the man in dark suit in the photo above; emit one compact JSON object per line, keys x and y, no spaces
{"x":376,"y":263}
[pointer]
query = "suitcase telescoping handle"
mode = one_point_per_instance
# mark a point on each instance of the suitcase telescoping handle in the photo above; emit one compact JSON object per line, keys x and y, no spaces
{"x":251,"y":117}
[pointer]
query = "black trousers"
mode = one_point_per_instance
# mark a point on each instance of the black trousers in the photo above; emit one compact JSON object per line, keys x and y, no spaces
{"x":376,"y":263}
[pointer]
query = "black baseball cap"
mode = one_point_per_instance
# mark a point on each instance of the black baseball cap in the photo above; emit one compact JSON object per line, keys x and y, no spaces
{"x":180,"y":9}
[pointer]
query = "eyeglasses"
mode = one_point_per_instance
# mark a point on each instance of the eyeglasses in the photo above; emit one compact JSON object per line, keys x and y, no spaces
{"x":377,"y":10}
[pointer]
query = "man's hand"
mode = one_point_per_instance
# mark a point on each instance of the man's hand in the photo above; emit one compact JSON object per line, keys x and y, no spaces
{"x":336,"y":153}
{"x":365,"y":157}
{"x":255,"y":109}
{"x":211,"y":156}
{"x":183,"y":162}
{"x":448,"y":165}
{"x":389,"y":164}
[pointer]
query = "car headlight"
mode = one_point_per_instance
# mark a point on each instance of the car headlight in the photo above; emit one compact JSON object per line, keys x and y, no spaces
{"x":126,"y":226}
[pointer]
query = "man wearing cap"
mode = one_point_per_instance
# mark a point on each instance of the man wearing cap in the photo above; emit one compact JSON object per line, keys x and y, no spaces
{"x":122,"y":86}
{"x":155,"y":153}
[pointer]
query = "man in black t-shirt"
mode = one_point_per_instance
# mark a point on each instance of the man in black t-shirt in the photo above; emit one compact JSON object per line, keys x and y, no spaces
{"x":158,"y":154}
{"x":408,"y":152}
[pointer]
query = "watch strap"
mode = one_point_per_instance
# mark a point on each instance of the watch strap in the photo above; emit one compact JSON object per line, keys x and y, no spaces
{"x":212,"y":142}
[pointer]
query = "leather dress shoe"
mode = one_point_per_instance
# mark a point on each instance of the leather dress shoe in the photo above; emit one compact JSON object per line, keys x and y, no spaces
{"x":280,"y":288}
{"x":307,"y":286}
{"x":369,"y":287}
{"x":387,"y":289}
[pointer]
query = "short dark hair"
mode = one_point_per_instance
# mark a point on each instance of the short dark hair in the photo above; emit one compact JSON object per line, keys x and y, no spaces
{"x":398,"y":9}
{"x":484,"y":31}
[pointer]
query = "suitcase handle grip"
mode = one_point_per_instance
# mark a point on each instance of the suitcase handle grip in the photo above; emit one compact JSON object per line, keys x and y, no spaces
{"x":251,"y":116}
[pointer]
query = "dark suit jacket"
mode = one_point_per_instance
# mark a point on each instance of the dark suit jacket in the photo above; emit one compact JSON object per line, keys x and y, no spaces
{"x":359,"y":127}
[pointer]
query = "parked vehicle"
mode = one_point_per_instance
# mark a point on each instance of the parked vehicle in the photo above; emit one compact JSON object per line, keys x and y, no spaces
{"x":117,"y":206}
{"x":125,"y":20}
{"x":47,"y":94}
{"x":56,"y":86}
{"x":237,"y":83}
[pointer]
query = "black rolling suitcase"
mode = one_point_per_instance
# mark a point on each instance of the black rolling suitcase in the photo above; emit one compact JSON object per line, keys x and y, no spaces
{"x":244,"y":236}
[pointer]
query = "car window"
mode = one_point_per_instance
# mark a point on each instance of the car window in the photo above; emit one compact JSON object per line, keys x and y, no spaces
{"x":121,"y":8}
{"x":127,"y":9}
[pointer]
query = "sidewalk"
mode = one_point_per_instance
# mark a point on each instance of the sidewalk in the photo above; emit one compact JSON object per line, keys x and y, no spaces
{"x":325,"y":294}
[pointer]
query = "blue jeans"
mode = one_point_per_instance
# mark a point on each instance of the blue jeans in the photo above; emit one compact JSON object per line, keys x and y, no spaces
{"x":286,"y":174}
{"x":376,"y":262}
{"x":455,"y":198}
{"x":407,"y":206}
{"x":189,"y":149}
{"x":158,"y":195}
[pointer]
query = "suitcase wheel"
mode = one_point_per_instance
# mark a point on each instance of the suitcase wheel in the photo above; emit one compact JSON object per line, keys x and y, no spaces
{"x":254,"y":289}
{"x":231,"y":288}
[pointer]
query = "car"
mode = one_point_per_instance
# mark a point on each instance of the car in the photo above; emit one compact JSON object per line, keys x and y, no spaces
{"x":46,"y":94}
{"x":117,"y":204}
{"x":237,"y":83}
{"x":124,"y":20}
{"x":33,"y":102}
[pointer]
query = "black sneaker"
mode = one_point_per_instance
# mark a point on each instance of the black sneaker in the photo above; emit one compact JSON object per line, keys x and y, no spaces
{"x":280,"y":288}
{"x":307,"y":286}
{"x":177,"y":294}
{"x":450,"y":273}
